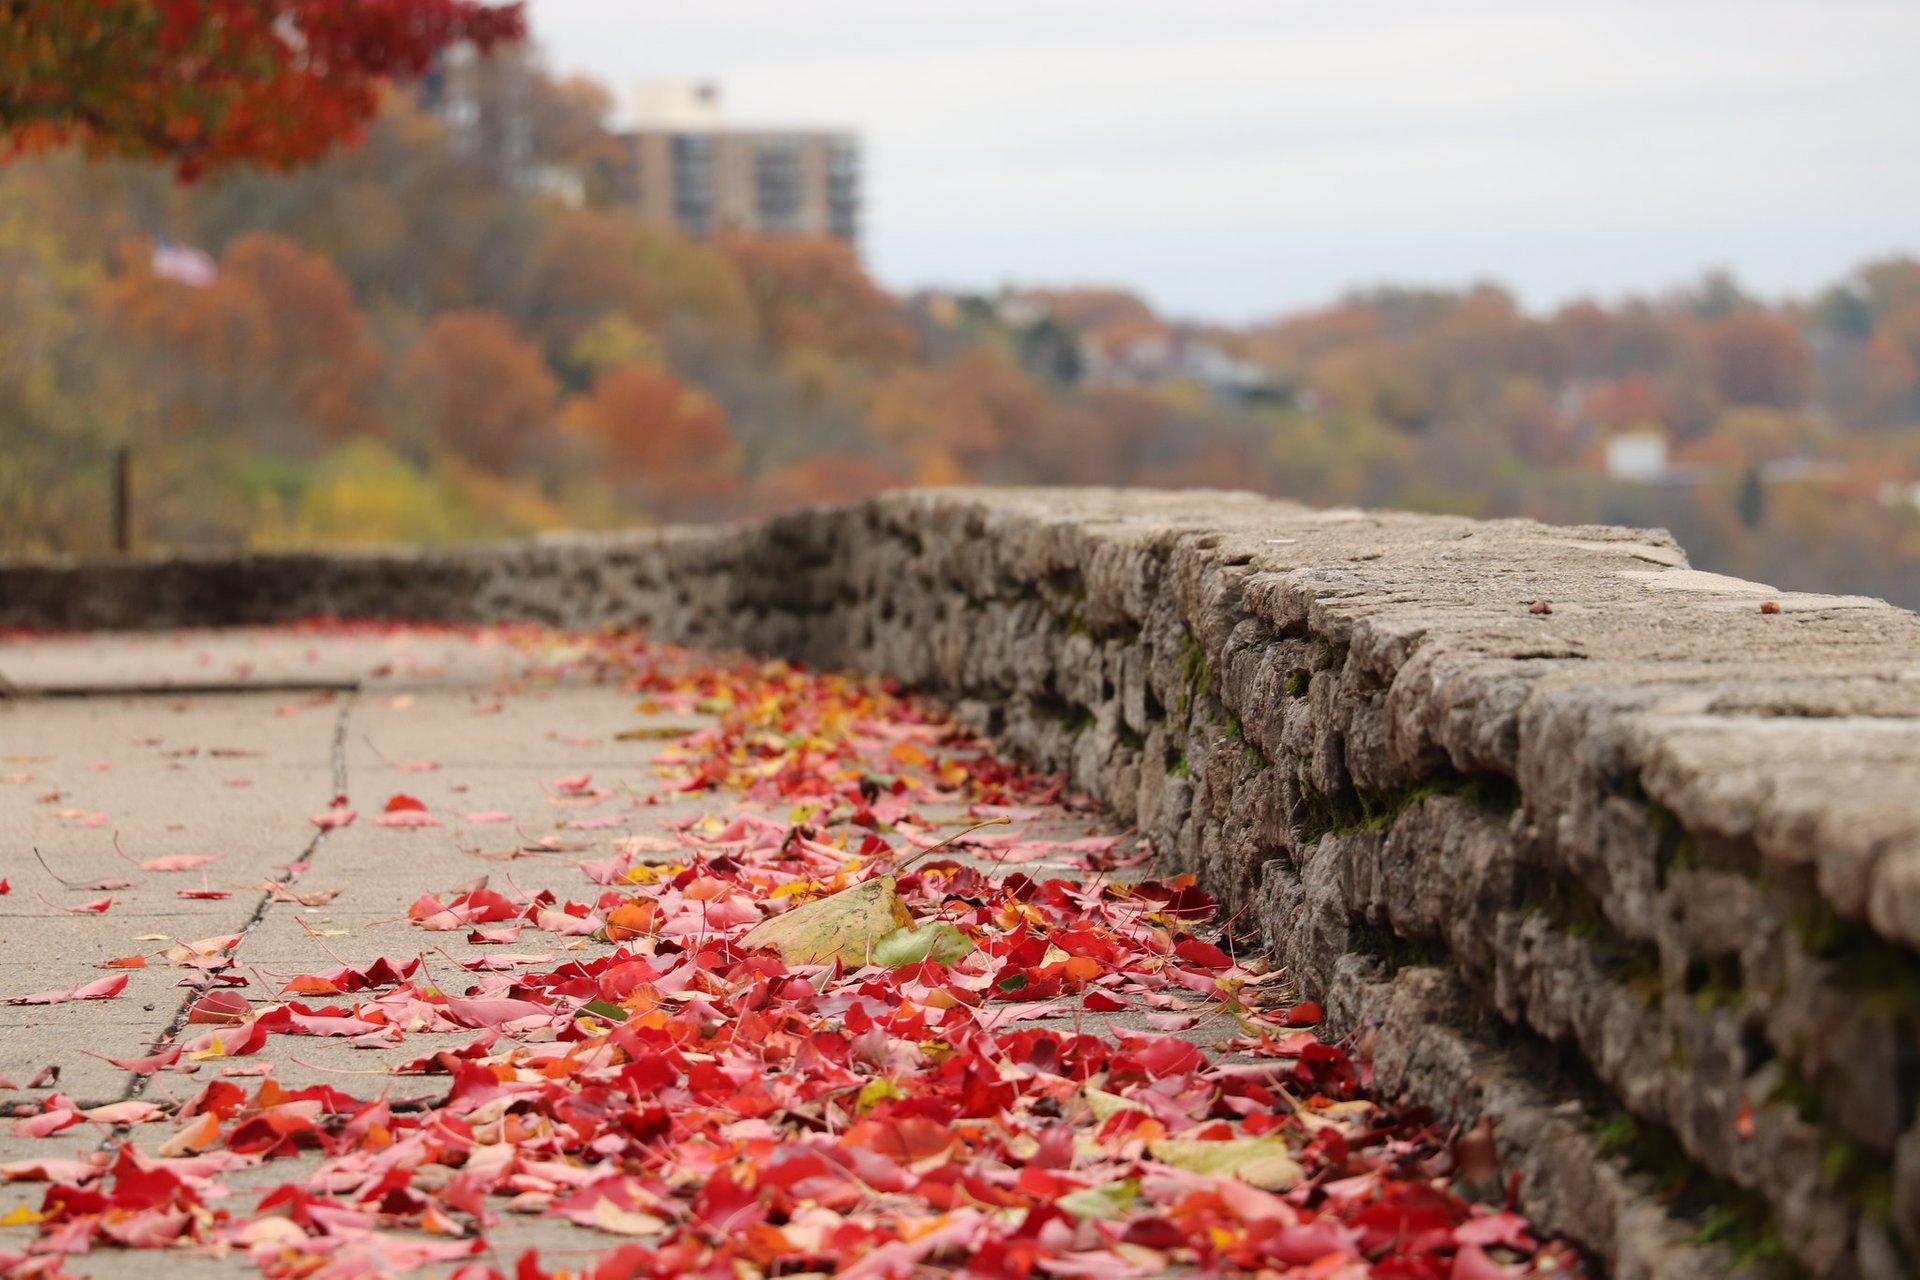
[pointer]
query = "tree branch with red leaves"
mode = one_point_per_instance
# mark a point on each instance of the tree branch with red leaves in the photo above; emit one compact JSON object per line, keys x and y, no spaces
{"x":205,"y":84}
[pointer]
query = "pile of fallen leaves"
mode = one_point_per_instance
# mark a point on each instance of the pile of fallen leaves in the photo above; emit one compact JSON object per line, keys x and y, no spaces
{"x":797,"y":1035}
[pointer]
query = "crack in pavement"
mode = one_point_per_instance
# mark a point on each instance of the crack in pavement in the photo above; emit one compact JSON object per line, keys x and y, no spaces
{"x":338,"y":761}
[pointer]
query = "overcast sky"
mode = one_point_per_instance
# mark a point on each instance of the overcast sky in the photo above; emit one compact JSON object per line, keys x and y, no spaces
{"x":1235,"y":158}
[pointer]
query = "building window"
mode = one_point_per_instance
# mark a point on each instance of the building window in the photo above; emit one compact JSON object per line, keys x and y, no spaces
{"x":843,"y":189}
{"x":778,"y":172}
{"x":693,"y":182}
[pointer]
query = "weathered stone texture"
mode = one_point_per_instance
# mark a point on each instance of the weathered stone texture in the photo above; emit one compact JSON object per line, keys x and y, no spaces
{"x":1636,"y":878}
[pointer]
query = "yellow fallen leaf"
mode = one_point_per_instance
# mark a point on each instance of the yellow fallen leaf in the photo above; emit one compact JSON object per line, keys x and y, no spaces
{"x":1105,"y":1104}
{"x":1266,"y":1163}
{"x":843,"y":925}
{"x":21,"y":1216}
{"x":610,"y":1217}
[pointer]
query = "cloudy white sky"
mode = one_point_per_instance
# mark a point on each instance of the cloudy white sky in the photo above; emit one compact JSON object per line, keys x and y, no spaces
{"x":1235,"y":158}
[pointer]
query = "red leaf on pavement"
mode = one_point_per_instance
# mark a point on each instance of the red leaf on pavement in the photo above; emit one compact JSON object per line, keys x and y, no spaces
{"x":333,"y":819}
{"x":400,"y":801}
{"x":220,"y":1007}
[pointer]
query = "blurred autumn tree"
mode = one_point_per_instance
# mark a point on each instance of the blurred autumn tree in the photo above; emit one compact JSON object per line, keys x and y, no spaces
{"x":483,"y":391}
{"x":202,"y":84}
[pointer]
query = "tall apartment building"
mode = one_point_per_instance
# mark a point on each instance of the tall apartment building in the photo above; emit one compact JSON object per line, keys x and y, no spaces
{"x":680,"y":165}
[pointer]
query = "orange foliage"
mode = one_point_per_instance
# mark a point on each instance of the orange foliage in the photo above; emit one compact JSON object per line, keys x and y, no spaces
{"x":1760,"y":359}
{"x":971,"y":411}
{"x":485,"y":391}
{"x":824,"y":478}
{"x":322,"y":354}
{"x":661,"y":441}
{"x":811,"y":292}
{"x":278,"y":326}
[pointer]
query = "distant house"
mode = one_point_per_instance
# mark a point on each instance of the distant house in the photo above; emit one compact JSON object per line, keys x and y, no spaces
{"x":1136,"y":355}
{"x":1638,"y":456}
{"x":681,"y":166}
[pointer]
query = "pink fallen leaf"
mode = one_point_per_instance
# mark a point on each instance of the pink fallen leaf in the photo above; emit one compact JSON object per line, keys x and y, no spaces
{"x":566,"y":925}
{"x":101,"y":989}
{"x":333,"y":819}
{"x":203,"y":893}
{"x":487,"y":815}
{"x":573,"y":785}
{"x":96,"y":906}
{"x":1172,"y":1021}
{"x":178,"y":862}
{"x":418,"y":766}
{"x":504,"y":960}
{"x":47,"y":1123}
{"x":406,"y":819}
{"x":491,"y":1013}
{"x":147,"y":1065}
{"x":131,"y":1112}
{"x":505,"y":934}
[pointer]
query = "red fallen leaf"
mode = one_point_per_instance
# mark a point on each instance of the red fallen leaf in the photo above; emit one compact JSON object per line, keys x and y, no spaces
{"x":102,"y":989}
{"x":1204,"y":954}
{"x":123,"y":962}
{"x":573,"y":785}
{"x":1305,"y":1014}
{"x":333,"y":818}
{"x":905,"y":1141}
{"x":203,"y":893}
{"x":400,"y":801}
{"x":381,"y":973}
{"x":220,"y":1007}
{"x":1101,"y":1002}
{"x":5,"y":887}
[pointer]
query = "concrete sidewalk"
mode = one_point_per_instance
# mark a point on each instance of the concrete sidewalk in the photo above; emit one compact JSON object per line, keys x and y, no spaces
{"x":225,"y":745}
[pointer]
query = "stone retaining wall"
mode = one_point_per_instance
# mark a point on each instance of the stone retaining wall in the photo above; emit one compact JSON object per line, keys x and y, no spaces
{"x":1619,"y":856}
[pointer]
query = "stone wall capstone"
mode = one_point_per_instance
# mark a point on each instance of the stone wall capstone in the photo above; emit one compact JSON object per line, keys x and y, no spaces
{"x":1618,"y":857}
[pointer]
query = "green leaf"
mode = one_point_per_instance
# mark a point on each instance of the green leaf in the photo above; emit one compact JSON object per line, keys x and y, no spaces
{"x":1109,"y":1200}
{"x":936,"y":941}
{"x":604,"y":1010}
{"x":874,"y":1090}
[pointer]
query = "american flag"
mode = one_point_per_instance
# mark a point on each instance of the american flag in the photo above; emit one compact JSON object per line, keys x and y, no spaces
{"x":187,"y":265}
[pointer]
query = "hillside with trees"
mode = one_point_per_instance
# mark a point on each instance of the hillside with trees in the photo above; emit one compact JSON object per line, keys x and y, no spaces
{"x":396,"y":344}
